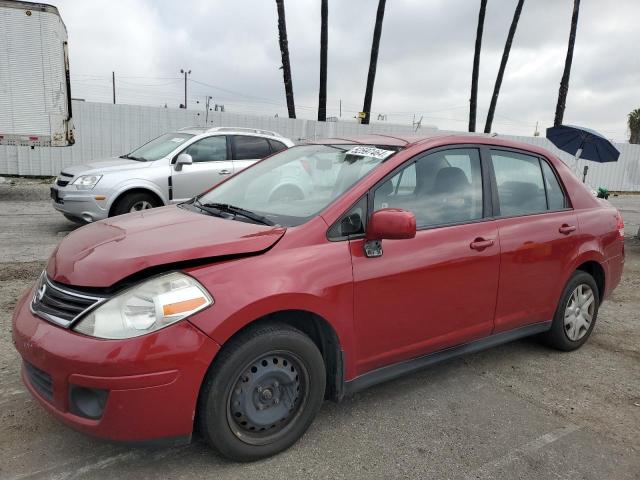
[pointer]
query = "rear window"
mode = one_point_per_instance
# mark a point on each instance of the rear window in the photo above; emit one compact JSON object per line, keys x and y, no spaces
{"x":277,"y":146}
{"x":250,"y":148}
{"x":526,"y":184}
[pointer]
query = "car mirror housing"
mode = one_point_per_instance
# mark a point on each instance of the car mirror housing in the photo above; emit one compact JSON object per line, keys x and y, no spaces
{"x":183,"y":159}
{"x":392,"y":224}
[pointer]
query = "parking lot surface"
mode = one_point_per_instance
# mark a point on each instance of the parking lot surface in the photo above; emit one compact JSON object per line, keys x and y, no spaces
{"x":517,"y":411}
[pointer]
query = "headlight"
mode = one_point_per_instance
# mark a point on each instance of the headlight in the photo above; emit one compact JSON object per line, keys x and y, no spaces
{"x":147,"y":307}
{"x":86,"y":182}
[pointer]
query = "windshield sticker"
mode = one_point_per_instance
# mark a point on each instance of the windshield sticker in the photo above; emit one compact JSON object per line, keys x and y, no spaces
{"x":370,"y":152}
{"x":177,"y":140}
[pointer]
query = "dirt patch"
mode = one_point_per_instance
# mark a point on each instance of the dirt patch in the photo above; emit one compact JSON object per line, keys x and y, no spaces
{"x":20,"y":270}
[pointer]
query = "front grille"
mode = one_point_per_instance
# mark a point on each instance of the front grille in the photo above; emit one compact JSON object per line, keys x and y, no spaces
{"x":61,"y":182}
{"x":61,"y":304}
{"x":40,"y":380}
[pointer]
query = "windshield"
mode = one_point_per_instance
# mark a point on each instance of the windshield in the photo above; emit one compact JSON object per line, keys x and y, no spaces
{"x":296,"y":184}
{"x":158,"y":147}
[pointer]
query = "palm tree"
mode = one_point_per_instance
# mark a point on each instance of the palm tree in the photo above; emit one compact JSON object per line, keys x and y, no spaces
{"x":503,"y":65}
{"x":373,"y":62}
{"x":324,"y":40}
{"x":634,"y":126}
{"x":564,"y":83}
{"x":476,"y":68}
{"x":286,"y":65}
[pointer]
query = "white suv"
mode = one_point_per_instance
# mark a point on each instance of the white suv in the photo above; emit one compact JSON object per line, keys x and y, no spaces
{"x":169,"y":169}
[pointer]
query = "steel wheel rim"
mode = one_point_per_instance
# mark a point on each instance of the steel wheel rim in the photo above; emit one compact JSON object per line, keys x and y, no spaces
{"x":578,"y":313}
{"x":268,"y":395}
{"x":141,"y":205}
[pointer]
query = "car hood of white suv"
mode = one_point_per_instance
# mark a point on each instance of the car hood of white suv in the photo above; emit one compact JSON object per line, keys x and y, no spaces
{"x":113,"y":164}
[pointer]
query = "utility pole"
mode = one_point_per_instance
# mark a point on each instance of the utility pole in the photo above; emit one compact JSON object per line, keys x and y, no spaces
{"x":340,"y":108}
{"x":206,"y":119}
{"x":113,"y":84}
{"x":186,"y":72}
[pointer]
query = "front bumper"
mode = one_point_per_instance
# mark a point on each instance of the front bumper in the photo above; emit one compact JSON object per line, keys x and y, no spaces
{"x":87,"y":205}
{"x":151,"y":382}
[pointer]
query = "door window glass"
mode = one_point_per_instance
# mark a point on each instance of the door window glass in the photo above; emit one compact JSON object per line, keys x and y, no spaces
{"x":519,"y":182}
{"x":555,"y":195}
{"x":440,"y":188}
{"x":277,"y":146}
{"x":251,"y":148}
{"x":208,"y":149}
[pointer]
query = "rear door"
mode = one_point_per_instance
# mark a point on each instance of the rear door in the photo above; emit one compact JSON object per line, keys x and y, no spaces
{"x":248,"y":149}
{"x":438,"y":289}
{"x":538,"y":238}
{"x":211,"y":164}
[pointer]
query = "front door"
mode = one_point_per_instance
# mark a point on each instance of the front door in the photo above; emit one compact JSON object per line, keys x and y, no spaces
{"x":211,"y":164}
{"x":438,"y":289}
{"x":539,"y":237}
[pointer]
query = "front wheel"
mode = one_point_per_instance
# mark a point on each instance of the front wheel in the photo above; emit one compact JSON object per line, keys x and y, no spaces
{"x":262,"y":392}
{"x":576,"y":314}
{"x":135,"y":202}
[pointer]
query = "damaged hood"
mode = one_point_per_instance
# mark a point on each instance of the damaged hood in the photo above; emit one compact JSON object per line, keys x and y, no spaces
{"x":103,"y":253}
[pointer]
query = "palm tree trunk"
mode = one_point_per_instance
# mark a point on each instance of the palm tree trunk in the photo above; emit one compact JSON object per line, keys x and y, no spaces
{"x":503,"y":66}
{"x":564,"y":83}
{"x":286,"y":65}
{"x":324,"y":40}
{"x":373,"y":62}
{"x":476,"y":68}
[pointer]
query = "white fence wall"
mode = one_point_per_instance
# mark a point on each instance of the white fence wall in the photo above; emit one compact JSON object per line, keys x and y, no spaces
{"x":104,"y":130}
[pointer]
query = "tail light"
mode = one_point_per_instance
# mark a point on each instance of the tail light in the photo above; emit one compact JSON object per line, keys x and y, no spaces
{"x":620,"y":224}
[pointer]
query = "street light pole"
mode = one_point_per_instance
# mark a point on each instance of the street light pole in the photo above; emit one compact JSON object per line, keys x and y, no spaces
{"x":186,"y":72}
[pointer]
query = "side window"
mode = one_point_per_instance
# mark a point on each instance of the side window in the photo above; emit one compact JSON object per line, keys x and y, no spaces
{"x":440,"y":188}
{"x":250,"y":148}
{"x":277,"y":146}
{"x":555,"y":195}
{"x":520,"y":184}
{"x":208,"y":149}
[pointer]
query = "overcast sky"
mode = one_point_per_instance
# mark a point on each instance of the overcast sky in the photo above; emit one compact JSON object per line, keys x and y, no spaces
{"x":424,"y":65}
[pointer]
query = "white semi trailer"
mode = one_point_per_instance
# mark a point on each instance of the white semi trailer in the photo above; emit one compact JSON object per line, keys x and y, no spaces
{"x":35,"y":91}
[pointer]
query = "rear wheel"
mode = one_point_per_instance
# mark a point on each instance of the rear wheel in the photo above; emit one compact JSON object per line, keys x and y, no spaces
{"x":576,"y":314}
{"x":262,"y":392}
{"x":135,"y":202}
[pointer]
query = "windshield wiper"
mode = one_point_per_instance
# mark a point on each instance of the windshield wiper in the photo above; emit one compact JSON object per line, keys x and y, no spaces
{"x":130,"y":157}
{"x":226,"y":208}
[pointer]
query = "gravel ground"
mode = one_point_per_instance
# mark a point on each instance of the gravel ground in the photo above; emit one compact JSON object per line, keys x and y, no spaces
{"x":516,"y":411}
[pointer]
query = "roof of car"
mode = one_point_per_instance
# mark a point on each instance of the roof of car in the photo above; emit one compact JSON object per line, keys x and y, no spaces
{"x":239,"y":130}
{"x":404,"y":140}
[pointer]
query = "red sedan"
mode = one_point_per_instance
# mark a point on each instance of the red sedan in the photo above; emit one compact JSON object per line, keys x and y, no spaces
{"x":239,"y":311}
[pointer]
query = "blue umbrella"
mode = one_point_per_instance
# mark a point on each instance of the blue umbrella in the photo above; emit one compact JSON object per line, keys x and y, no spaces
{"x":583,"y":143}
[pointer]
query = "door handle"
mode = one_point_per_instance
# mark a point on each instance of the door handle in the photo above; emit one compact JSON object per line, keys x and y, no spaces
{"x":567,"y":229}
{"x":480,"y":244}
{"x":224,"y":172}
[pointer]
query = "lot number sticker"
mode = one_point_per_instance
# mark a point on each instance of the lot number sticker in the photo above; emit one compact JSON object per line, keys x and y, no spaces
{"x":370,"y":152}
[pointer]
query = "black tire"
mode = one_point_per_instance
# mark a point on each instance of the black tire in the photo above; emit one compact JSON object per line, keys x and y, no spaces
{"x":126,"y":203}
{"x":559,"y":336}
{"x":232,"y":416}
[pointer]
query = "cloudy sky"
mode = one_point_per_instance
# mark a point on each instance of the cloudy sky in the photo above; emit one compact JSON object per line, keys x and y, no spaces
{"x":424,"y":65}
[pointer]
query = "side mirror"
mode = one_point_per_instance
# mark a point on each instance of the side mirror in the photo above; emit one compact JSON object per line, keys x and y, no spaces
{"x":388,"y":223}
{"x":183,"y":159}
